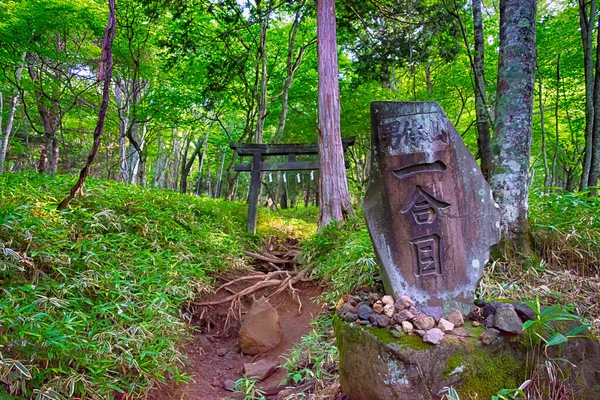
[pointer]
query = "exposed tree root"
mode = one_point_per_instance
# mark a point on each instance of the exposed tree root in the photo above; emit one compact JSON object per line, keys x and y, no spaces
{"x":269,"y":258}
{"x":279,"y":280}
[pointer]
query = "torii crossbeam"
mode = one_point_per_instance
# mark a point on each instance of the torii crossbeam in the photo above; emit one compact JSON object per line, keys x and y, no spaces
{"x":259,"y":151}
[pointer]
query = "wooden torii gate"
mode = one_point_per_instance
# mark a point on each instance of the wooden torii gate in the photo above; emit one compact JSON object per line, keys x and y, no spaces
{"x":256,"y":166}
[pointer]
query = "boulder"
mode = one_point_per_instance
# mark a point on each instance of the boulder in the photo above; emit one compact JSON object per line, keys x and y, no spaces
{"x":506,"y":319}
{"x":260,"y":330}
{"x":375,"y":365}
{"x":260,"y":370}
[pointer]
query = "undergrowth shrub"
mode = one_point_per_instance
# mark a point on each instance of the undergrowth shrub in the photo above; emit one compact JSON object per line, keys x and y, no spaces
{"x":566,"y":230}
{"x":90,"y":297}
{"x":343,"y":257}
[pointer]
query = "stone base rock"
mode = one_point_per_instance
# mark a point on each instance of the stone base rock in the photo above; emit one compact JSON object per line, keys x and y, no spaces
{"x":260,"y":330}
{"x":375,"y":365}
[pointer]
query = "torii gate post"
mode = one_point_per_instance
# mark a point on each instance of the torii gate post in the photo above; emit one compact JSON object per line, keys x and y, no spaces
{"x":256,"y":166}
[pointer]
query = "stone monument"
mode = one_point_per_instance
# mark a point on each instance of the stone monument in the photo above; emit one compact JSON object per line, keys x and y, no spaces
{"x":429,"y":210}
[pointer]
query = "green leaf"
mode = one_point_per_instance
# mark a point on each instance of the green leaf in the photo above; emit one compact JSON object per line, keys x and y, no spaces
{"x":556,"y":339}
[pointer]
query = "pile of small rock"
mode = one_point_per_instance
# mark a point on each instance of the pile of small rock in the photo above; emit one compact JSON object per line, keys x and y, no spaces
{"x":400,"y":316}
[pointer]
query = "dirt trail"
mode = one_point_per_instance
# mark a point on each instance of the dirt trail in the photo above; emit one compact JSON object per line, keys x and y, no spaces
{"x":215,"y":356}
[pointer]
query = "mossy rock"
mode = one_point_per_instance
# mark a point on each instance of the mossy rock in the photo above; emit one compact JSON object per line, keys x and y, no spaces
{"x":374,"y":365}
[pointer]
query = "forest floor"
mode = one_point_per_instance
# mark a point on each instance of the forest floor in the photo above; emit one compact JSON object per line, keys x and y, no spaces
{"x":214,"y":355}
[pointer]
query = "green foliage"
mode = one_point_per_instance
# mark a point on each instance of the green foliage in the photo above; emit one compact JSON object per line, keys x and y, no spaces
{"x":545,"y":324}
{"x":248,"y":387}
{"x":91,"y":297}
{"x":343,"y":256}
{"x":566,"y":229}
{"x":315,"y":357}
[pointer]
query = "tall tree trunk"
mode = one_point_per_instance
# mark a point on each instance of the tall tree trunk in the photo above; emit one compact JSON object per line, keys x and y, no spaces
{"x":291,"y":67}
{"x":183,"y":180}
{"x":586,"y":24}
{"x":335,"y":198}
{"x":161,"y":166}
{"x":176,"y":154}
{"x":553,"y":181}
{"x":11,"y":118}
{"x":514,"y":104}
{"x":595,"y":158}
{"x":262,"y":97}
{"x":104,"y":73}
{"x":484,"y":146}
{"x":220,"y":182}
{"x":123,"y":126}
{"x":543,"y":128}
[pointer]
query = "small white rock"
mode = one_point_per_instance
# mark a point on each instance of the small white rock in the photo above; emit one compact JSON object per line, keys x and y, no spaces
{"x":445,"y":325}
{"x":387,"y":300}
{"x":388,"y":310}
{"x":407,"y":327}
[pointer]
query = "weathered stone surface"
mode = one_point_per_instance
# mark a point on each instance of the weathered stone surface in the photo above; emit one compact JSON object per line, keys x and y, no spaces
{"x":445,"y":325}
{"x":456,"y":317}
{"x":260,"y":330}
{"x":387,"y":300}
{"x":383,"y":321}
{"x":490,"y":308}
{"x":430,"y":213}
{"x":378,"y":308}
{"x":404,"y":302}
{"x":433,"y":336}
{"x":525,"y":312}
{"x":403,"y":315}
{"x":489,"y":336}
{"x":423,"y":322}
{"x":507,"y":320}
{"x":364,"y":311}
{"x":374,"y":365}
{"x":261,"y":369}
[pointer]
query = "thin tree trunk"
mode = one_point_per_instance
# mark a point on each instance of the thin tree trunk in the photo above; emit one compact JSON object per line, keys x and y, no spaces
{"x":220,"y":182}
{"x":176,"y":154}
{"x":553,"y":181}
{"x":11,"y":118}
{"x":543,"y":128}
{"x":595,"y":158}
{"x":484,"y":146}
{"x":514,"y":104}
{"x":335,"y":198}
{"x":586,"y":24}
{"x":183,"y":181}
{"x":123,"y":126}
{"x":104,"y":73}
{"x":161,"y":164}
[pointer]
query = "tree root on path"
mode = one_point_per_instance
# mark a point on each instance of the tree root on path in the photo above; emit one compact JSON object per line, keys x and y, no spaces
{"x":280,"y":280}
